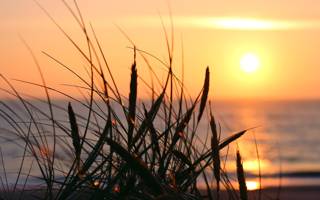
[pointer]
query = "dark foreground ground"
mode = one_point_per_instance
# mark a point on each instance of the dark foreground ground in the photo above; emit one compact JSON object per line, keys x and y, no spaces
{"x":287,"y":193}
{"x":294,"y":193}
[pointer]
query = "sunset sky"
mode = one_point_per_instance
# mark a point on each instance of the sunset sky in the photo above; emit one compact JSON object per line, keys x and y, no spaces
{"x":283,"y":37}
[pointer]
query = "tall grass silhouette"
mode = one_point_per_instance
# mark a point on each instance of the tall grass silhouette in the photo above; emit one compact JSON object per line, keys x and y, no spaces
{"x":118,"y":148}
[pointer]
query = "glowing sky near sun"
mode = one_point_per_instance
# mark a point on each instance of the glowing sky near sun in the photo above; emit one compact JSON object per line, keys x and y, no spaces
{"x":226,"y":23}
{"x":282,"y":34}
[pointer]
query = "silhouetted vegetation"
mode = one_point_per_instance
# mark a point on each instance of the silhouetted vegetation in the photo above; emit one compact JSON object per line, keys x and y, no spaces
{"x":119,"y":148}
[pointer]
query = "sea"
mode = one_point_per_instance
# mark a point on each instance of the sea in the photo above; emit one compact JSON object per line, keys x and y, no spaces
{"x":282,"y":144}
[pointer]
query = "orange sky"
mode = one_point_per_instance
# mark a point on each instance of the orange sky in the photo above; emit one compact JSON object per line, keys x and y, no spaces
{"x":283,"y":34}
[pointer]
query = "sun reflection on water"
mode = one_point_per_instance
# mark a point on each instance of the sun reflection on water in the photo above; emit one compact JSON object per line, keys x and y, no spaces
{"x":252,"y":185}
{"x":253,"y":165}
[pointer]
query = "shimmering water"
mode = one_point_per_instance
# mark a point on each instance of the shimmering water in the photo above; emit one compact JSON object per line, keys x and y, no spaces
{"x":288,"y":138}
{"x":287,"y":134}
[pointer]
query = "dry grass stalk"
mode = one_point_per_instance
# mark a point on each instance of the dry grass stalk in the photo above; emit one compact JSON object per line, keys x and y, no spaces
{"x":205,"y":92}
{"x":241,"y":178}
{"x":215,"y":152}
{"x":75,"y":135}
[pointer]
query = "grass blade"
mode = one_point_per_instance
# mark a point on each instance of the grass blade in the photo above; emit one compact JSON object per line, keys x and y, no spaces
{"x":215,"y":152}
{"x":132,"y":101}
{"x":6,"y":189}
{"x":75,"y":135}
{"x":182,"y":157}
{"x":205,"y":93}
{"x":241,"y":178}
{"x":232,"y":138}
{"x":137,"y":166}
{"x":149,"y":118}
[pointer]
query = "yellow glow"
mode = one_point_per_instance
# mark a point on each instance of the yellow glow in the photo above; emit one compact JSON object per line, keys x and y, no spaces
{"x":253,"y":165}
{"x":249,"y":63}
{"x":242,"y":23}
{"x":225,"y":23}
{"x":252,"y":185}
{"x":238,"y":23}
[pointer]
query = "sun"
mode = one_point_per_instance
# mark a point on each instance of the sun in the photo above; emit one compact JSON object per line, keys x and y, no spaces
{"x":249,"y":63}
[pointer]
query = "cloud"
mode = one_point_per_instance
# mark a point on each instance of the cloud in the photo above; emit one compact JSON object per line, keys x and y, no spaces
{"x":225,"y":23}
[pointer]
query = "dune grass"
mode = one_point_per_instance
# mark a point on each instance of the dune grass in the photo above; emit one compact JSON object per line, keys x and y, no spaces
{"x":118,"y":148}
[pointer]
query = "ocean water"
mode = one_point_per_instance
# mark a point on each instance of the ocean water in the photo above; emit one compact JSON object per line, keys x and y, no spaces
{"x":287,"y":135}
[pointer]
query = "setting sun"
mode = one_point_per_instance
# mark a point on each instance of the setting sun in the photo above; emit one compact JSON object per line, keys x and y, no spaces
{"x":249,"y":63}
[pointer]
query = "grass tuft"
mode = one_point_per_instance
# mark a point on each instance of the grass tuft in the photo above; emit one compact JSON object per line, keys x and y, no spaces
{"x":110,"y":146}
